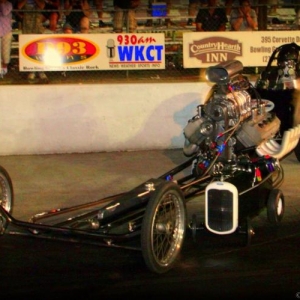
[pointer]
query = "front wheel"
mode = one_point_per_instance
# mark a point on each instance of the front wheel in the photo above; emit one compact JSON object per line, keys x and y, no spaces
{"x":163,"y":228}
{"x":6,"y":190}
{"x":275,"y":206}
{"x":247,"y":232}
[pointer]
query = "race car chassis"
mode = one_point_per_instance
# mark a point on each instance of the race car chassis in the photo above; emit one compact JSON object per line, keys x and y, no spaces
{"x":152,"y":217}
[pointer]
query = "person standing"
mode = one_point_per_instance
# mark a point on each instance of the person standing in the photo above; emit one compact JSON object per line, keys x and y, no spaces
{"x":125,"y":12}
{"x":243,"y":18}
{"x":99,"y":9}
{"x":6,"y":8}
{"x":212,"y":18}
{"x":33,"y":24}
{"x":192,"y":10}
{"x":51,"y":13}
{"x":298,"y":17}
{"x":228,"y":6}
{"x":77,"y":15}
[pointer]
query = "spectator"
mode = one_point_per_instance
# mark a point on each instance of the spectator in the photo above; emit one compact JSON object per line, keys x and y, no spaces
{"x":243,"y":18}
{"x":99,"y":8}
{"x":228,"y":6}
{"x":212,"y":18}
{"x":33,"y":24}
{"x":193,"y":8}
{"x":77,"y":15}
{"x":298,"y":17}
{"x":5,"y":34}
{"x":125,"y":11}
{"x":273,"y":6}
{"x":17,"y":15}
{"x":67,"y":28}
{"x":51,"y":13}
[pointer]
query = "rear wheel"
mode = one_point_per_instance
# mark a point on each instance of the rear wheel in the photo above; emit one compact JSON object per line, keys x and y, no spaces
{"x":6,"y":190}
{"x":163,"y":228}
{"x":275,"y":206}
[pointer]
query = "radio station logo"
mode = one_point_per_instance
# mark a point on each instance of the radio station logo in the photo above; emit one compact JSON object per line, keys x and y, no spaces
{"x":57,"y":51}
{"x":215,"y":49}
{"x":134,"y":49}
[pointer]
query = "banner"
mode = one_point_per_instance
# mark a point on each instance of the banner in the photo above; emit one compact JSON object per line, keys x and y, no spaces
{"x":88,"y":52}
{"x":252,"y":48}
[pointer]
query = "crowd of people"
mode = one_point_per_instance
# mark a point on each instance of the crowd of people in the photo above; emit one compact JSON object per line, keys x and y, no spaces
{"x":213,"y":18}
{"x":77,"y":13}
{"x":204,"y":15}
{"x":6,"y":8}
{"x":124,"y":12}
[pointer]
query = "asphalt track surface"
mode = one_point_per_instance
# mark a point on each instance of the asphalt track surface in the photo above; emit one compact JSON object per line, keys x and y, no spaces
{"x":209,"y":267}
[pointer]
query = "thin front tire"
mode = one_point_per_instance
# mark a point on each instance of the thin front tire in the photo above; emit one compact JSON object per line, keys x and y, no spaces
{"x":6,"y":190}
{"x":275,"y":206}
{"x":163,"y":228}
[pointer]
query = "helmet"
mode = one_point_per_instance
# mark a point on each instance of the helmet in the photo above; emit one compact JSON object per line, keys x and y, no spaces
{"x":288,"y":52}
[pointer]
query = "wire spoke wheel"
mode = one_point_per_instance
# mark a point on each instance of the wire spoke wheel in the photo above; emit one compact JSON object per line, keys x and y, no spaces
{"x":163,"y":228}
{"x":6,"y":190}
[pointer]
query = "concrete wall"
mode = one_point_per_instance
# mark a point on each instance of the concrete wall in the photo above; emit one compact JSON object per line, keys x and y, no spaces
{"x":50,"y":119}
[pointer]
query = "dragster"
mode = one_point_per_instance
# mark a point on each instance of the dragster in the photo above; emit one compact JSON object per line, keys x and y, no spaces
{"x":233,"y":148}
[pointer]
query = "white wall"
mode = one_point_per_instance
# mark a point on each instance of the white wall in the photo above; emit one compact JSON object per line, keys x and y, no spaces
{"x":50,"y":119}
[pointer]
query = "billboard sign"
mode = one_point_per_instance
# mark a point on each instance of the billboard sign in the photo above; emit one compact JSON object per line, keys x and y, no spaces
{"x":252,"y":48}
{"x":83,"y":52}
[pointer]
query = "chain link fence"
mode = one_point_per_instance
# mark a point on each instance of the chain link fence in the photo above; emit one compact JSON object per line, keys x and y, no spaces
{"x":177,"y":19}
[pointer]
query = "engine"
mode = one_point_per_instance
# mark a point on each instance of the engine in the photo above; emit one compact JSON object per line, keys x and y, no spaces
{"x":229,"y":122}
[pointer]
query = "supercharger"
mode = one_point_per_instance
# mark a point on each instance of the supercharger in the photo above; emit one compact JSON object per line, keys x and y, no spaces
{"x":230,"y":120}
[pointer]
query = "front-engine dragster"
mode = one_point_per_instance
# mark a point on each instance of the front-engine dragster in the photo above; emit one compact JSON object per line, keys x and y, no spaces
{"x":233,"y":160}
